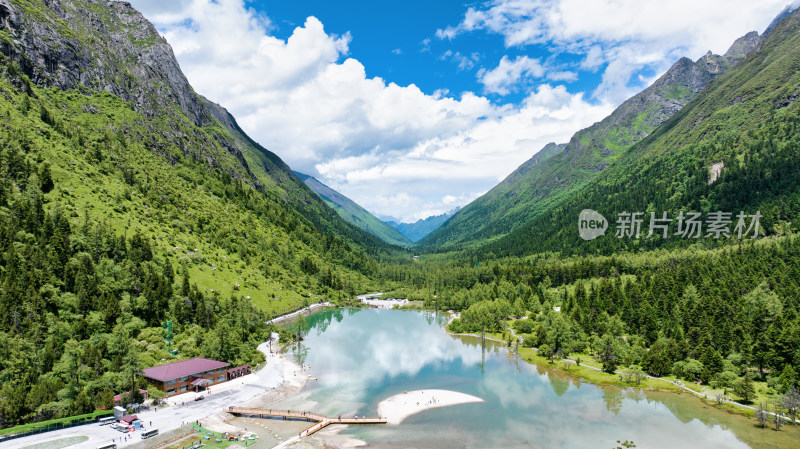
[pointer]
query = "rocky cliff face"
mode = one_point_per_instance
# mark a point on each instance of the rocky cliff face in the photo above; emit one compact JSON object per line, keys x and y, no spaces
{"x":634,"y":119}
{"x":96,"y":46}
{"x":742,"y":46}
{"x":99,"y":45}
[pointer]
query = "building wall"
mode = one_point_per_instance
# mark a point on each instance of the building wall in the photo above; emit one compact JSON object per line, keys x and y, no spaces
{"x":241,"y":373}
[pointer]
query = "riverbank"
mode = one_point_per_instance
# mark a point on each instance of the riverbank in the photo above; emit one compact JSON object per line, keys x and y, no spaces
{"x":599,"y":377}
{"x":485,"y":337}
{"x":294,"y":380}
{"x":328,"y":438}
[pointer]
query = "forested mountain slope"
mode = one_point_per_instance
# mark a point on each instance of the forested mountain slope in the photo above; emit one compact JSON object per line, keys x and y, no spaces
{"x":559,"y":170}
{"x":745,"y":121}
{"x":126,"y":200}
{"x":110,"y":47}
{"x":351,"y":212}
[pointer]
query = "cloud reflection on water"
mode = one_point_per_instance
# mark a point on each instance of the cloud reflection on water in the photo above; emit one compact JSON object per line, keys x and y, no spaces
{"x":364,"y":356}
{"x":378,"y":349}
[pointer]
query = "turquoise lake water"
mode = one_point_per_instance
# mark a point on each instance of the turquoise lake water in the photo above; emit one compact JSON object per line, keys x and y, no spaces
{"x":362,"y":356}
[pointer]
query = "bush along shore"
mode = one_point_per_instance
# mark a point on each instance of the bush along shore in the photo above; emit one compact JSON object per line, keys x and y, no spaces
{"x":754,"y":398}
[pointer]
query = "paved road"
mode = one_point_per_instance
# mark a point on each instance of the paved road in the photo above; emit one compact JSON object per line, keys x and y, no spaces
{"x":166,"y":419}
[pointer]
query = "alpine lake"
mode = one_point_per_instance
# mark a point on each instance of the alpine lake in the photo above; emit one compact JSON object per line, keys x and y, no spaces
{"x":360,"y":357}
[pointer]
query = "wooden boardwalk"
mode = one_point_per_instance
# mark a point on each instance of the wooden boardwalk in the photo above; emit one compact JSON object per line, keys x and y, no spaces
{"x":321,"y":421}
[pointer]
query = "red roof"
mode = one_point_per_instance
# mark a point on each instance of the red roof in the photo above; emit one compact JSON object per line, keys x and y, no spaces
{"x":119,"y":397}
{"x":239,"y":368}
{"x":183,"y":368}
{"x":129,"y":419}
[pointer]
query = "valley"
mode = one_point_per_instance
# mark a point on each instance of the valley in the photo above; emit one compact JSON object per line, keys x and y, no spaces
{"x":140,"y":225}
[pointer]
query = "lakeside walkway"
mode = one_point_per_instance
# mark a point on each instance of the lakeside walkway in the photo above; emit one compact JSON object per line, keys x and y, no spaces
{"x":322,"y":421}
{"x":295,"y":314}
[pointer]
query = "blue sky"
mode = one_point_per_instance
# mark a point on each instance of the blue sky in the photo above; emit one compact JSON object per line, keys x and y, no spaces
{"x":413,"y":108}
{"x":401,"y":43}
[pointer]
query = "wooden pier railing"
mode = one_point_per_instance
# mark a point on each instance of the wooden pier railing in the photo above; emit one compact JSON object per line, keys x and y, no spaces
{"x":321,"y":421}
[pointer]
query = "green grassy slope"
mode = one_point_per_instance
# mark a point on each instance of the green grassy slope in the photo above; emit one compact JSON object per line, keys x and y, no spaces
{"x":88,"y":44}
{"x":351,"y":212}
{"x":558,"y":171}
{"x":746,"y":119}
{"x":127,"y":200}
{"x":102,"y":240}
{"x":220,"y":230}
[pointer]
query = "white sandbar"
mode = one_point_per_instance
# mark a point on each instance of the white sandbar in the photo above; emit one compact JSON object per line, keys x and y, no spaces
{"x":398,"y":407}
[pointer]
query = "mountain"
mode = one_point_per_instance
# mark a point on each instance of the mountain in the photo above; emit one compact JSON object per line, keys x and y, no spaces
{"x":128,"y":200}
{"x":786,"y":12}
{"x":353,"y":213}
{"x":422,"y":227}
{"x":559,"y":170}
{"x":95,"y":46}
{"x":104,"y":103}
{"x":733,"y":148}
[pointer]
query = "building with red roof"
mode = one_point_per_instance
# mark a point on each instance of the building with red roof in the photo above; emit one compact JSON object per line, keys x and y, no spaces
{"x":118,"y":398}
{"x":129,"y":419}
{"x":239,"y":371}
{"x":181,"y":377}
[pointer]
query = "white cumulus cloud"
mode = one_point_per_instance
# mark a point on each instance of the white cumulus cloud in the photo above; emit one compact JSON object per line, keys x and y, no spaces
{"x":393,"y":149}
{"x":629,"y":35}
{"x":513,"y":74}
{"x":503,"y":78}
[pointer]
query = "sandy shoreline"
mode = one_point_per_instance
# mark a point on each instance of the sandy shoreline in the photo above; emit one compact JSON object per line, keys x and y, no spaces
{"x":293,"y":380}
{"x":399,"y":407}
{"x":395,"y":409}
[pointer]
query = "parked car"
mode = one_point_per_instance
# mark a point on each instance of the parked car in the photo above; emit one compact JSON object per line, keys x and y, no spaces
{"x":199,"y":398}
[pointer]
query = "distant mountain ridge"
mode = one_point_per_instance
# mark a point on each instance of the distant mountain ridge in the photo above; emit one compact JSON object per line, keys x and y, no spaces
{"x":559,"y":170}
{"x":745,"y":120}
{"x":351,"y":212}
{"x":422,"y":227}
